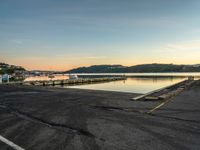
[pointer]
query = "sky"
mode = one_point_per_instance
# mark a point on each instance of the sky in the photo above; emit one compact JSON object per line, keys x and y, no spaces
{"x":65,"y":34}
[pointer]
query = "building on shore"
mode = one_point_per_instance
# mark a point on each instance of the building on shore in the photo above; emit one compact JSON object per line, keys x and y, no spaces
{"x":6,"y":78}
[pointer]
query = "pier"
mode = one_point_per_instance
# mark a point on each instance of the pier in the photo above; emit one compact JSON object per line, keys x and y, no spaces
{"x":73,"y":81}
{"x":166,"y":92}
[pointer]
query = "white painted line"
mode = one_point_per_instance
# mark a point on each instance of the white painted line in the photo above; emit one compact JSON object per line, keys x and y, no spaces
{"x":152,"y":110}
{"x":11,"y":144}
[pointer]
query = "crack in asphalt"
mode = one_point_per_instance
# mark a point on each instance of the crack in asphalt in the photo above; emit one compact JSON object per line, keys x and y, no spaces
{"x":175,"y":118}
{"x":65,"y":128}
{"x":141,"y":112}
{"x":117,"y":108}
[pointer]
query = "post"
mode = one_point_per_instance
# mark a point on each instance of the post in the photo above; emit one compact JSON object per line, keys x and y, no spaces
{"x":8,"y":79}
{"x":0,"y":79}
{"x":191,"y":78}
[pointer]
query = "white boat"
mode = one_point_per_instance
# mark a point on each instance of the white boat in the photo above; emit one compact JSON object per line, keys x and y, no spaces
{"x":73,"y":76}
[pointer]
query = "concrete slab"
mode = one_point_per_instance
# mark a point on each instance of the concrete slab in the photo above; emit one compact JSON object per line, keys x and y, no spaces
{"x":185,"y":106}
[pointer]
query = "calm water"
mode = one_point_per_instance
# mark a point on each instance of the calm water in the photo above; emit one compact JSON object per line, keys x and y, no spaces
{"x":133,"y":84}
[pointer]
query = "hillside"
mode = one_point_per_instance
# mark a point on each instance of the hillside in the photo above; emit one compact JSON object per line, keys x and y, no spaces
{"x":145,"y":68}
{"x":98,"y":69}
{"x":10,"y":69}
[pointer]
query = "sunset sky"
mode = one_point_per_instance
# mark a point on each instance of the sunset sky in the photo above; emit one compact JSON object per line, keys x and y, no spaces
{"x":63,"y":34}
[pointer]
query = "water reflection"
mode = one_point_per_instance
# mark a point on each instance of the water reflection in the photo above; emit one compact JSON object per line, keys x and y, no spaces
{"x":133,"y":84}
{"x":44,"y":78}
{"x":137,"y":84}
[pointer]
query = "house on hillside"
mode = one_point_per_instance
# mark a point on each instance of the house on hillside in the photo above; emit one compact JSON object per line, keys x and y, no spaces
{"x":6,"y":77}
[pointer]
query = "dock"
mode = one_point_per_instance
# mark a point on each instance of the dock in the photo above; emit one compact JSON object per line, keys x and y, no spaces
{"x":68,"y":81}
{"x":73,"y":81}
{"x":166,"y":92}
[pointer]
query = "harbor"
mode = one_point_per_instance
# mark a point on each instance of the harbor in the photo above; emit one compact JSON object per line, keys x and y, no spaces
{"x":99,"y":75}
{"x":44,"y":117}
{"x":66,"y":110}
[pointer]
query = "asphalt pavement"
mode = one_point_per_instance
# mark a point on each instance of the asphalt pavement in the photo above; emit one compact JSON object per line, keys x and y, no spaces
{"x":46,"y":118}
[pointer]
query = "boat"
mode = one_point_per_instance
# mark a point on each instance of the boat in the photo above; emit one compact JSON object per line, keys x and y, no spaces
{"x":73,"y":76}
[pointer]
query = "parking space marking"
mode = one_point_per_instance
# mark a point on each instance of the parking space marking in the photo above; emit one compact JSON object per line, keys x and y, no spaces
{"x":10,"y":143}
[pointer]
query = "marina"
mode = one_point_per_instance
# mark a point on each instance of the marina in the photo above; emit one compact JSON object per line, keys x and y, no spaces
{"x":99,"y":75}
{"x":142,"y":83}
{"x":101,"y":119}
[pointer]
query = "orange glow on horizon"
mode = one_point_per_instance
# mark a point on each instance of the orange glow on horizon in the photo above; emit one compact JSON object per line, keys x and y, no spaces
{"x":69,"y":67}
{"x":56,"y":64}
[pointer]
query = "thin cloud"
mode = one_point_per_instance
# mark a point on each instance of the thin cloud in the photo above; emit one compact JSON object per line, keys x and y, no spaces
{"x":189,"y":45}
{"x":95,"y":57}
{"x":21,"y":41}
{"x":18,"y":42}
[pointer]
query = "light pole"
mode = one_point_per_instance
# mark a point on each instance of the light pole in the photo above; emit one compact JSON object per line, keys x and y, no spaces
{"x":0,"y":79}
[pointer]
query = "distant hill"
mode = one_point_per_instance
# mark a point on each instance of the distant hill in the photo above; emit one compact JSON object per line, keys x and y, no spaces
{"x":145,"y":68}
{"x":10,"y":69}
{"x":97,"y":69}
